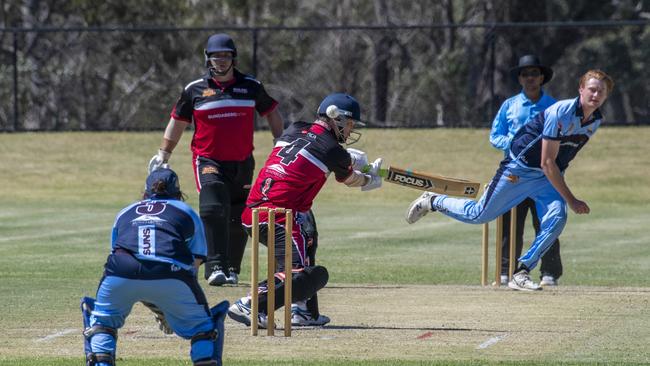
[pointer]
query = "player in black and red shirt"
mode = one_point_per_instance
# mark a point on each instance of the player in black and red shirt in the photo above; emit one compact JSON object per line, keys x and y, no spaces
{"x":294,"y":173}
{"x":222,"y":106}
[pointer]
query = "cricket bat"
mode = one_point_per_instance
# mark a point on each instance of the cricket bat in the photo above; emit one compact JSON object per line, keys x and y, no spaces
{"x":428,"y":182}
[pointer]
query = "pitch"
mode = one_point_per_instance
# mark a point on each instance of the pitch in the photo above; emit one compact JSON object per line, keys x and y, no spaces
{"x":398,"y":295}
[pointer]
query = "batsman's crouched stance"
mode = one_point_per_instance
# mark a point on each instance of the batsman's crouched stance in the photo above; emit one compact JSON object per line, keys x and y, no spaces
{"x":293,"y":174}
{"x":157,"y":245}
{"x":307,"y":277}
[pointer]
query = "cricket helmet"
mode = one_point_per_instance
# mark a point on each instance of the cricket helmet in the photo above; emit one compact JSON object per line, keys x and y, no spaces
{"x":346,"y":105}
{"x":162,"y":183}
{"x":220,"y":42}
{"x":338,"y":107}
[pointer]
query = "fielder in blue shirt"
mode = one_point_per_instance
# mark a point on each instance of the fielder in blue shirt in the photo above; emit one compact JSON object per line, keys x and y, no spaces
{"x":531,"y":74}
{"x":157,"y":246}
{"x":539,"y":154}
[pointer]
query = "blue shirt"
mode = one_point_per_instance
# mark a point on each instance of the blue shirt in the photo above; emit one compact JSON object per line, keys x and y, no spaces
{"x":160,"y":230}
{"x":513,"y":114}
{"x":561,"y":122}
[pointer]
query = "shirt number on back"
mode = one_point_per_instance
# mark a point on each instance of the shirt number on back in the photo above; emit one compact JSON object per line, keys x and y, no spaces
{"x":289,"y":153}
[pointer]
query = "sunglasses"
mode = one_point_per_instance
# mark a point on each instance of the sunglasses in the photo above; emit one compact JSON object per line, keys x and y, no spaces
{"x":533,"y":73}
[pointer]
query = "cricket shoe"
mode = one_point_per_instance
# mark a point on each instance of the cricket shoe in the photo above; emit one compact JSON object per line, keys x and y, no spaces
{"x":217,"y":278}
{"x":240,"y":312}
{"x":548,"y":281}
{"x":303,"y":318}
{"x":521,"y":281}
{"x":503,"y":282}
{"x":420,"y":207}
{"x":233,"y":278}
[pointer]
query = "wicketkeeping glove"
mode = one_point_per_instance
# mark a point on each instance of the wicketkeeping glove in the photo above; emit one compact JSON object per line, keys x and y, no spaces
{"x":375,"y":179}
{"x":359,"y":158}
{"x":158,"y":160}
{"x":163,"y":325}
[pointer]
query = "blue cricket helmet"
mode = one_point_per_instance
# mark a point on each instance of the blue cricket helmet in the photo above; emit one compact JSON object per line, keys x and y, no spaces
{"x":345,"y":103}
{"x":162,"y":183}
{"x":338,"y":105}
{"x":220,"y":42}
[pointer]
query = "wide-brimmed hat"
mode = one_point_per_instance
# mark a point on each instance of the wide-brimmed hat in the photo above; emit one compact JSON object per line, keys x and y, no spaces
{"x":531,"y":61}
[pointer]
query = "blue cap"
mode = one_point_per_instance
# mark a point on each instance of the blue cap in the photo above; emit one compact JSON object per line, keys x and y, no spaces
{"x":170,"y":184}
{"x":344,"y":102}
{"x":220,"y":43}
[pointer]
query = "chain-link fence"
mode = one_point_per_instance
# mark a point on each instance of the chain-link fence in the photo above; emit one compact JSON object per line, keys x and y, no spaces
{"x":410,"y":76}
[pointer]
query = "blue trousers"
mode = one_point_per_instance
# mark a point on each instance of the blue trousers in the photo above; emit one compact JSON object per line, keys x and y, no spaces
{"x":177,"y":293}
{"x":511,"y":185}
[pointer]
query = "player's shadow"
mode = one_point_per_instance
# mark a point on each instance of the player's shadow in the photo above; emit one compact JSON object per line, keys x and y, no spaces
{"x":424,"y":329}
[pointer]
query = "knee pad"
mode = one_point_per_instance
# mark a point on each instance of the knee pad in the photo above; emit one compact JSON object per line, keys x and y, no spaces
{"x":309,"y":281}
{"x":318,"y":275}
{"x":214,"y":200}
{"x":207,"y":347}
{"x":110,"y":335}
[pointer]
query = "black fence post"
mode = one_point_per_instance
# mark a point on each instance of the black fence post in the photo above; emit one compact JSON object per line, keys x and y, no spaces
{"x":493,"y":36}
{"x":15,"y":66}
{"x":254,"y":61}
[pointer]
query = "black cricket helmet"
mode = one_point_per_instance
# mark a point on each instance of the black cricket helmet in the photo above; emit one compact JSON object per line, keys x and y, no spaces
{"x":219,"y":42}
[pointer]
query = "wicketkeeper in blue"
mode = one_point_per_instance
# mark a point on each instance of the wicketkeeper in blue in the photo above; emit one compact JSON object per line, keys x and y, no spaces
{"x":538,"y":156}
{"x":157,"y":246}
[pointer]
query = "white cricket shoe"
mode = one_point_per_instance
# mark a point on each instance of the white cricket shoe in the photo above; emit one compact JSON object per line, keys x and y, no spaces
{"x":217,"y":278}
{"x":420,"y":207}
{"x":548,"y":281}
{"x":240,"y":312}
{"x":303,"y":318}
{"x":521,"y":281}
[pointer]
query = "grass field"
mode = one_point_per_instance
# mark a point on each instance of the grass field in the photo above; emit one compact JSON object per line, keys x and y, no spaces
{"x":398,"y":294}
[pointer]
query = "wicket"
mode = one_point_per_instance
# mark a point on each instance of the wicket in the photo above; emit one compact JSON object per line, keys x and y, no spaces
{"x":288,"y":251}
{"x":498,"y":251}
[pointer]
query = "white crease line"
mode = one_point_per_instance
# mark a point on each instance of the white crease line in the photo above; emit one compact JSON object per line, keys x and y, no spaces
{"x":491,"y":341}
{"x":57,"y":334}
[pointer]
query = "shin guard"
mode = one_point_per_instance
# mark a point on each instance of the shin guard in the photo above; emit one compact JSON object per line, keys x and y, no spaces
{"x":96,"y":358}
{"x":207,"y":347}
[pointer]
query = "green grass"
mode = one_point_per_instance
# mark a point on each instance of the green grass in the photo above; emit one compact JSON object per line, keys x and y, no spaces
{"x":165,"y":362}
{"x":62,"y":190}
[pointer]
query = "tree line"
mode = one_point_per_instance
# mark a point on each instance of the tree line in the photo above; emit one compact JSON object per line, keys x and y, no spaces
{"x":84,"y":65}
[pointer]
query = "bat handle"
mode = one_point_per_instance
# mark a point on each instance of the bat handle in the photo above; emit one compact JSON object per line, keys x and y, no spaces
{"x":383,"y":172}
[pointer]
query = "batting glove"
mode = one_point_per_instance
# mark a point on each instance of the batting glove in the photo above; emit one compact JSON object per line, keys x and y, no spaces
{"x":158,"y":160}
{"x":373,"y":173}
{"x":359,"y":158}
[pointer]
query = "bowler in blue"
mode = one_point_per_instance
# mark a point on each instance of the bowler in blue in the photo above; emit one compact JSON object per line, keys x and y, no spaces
{"x":538,"y":157}
{"x":513,"y":114}
{"x":157,"y":246}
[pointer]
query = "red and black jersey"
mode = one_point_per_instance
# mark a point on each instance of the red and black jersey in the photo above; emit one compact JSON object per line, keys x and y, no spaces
{"x":298,"y":167}
{"x":223,"y":115}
